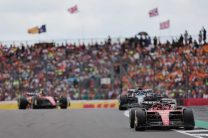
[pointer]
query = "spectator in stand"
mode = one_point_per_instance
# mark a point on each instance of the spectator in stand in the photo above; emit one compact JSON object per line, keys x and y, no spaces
{"x":186,"y":37}
{"x":148,"y":41}
{"x":204,"y":35}
{"x":200,"y":37}
{"x":181,"y":40}
{"x":155,"y":41}
{"x":190,"y":40}
{"x":196,"y":45}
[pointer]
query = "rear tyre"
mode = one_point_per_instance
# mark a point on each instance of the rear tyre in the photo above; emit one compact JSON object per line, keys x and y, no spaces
{"x":63,"y":102}
{"x":132,"y":117}
{"x":22,"y":103}
{"x":121,"y":107}
{"x":123,"y":102}
{"x":188,"y":118}
{"x":140,"y":120}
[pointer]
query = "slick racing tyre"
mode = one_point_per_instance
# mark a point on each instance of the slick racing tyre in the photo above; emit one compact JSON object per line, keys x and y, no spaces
{"x":63,"y":102}
{"x":140,"y":120}
{"x":22,"y":103}
{"x":132,"y":117}
{"x":188,"y":118}
{"x":123,"y":102}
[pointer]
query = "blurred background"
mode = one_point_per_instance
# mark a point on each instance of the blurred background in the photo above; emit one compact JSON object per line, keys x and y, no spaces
{"x":97,"y":50}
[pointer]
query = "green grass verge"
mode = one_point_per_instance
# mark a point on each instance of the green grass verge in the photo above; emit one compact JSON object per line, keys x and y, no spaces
{"x":202,"y":124}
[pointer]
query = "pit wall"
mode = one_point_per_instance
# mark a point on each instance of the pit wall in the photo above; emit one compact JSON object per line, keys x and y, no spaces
{"x":12,"y":105}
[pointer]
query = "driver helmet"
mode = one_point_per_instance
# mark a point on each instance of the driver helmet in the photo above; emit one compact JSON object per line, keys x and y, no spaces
{"x":42,"y":92}
{"x":140,"y":88}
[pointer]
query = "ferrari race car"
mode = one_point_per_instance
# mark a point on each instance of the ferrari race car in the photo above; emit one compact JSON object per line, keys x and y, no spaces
{"x":148,"y":104}
{"x":135,"y":98}
{"x":41,"y":101}
{"x":161,"y":115}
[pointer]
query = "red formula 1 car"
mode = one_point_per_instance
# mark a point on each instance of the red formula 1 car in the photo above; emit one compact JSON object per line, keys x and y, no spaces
{"x":41,"y":101}
{"x":161,"y":115}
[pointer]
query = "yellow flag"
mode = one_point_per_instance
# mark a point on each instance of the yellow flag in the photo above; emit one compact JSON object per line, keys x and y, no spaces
{"x":33,"y":30}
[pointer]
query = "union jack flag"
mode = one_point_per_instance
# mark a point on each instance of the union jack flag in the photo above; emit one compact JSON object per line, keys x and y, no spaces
{"x":73,"y":9}
{"x":153,"y":12}
{"x":165,"y":25}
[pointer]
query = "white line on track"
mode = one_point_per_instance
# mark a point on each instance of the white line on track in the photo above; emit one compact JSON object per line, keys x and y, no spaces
{"x":196,"y":130}
{"x":193,"y":135}
{"x":126,"y":113}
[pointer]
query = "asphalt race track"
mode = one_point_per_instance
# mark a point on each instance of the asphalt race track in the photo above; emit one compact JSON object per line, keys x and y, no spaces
{"x":83,"y":123}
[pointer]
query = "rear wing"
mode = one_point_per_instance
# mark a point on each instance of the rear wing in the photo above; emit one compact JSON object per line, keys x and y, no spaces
{"x":31,"y":94}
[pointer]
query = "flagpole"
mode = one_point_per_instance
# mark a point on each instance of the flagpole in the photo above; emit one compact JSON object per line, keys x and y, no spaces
{"x":170,"y":30}
{"x":81,"y":39}
{"x":82,"y":32}
{"x":159,"y":18}
{"x":38,"y":38}
{"x":159,"y":29}
{"x":152,"y":13}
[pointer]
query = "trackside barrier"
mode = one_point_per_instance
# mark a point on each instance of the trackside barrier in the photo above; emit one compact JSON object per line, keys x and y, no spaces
{"x":195,"y":102}
{"x":80,"y":104}
{"x":12,"y":105}
{"x":8,"y":105}
{"x":101,"y":104}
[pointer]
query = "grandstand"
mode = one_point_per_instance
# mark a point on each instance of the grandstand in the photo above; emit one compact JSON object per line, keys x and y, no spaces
{"x":104,"y":70}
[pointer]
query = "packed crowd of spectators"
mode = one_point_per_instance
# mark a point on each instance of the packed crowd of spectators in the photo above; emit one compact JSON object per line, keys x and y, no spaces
{"x":178,"y":69}
{"x":75,"y":69}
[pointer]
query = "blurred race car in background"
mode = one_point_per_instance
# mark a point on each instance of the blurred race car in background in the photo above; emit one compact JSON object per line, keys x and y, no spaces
{"x":41,"y":101}
{"x":163,"y":114}
{"x":136,"y":97}
{"x":129,"y":98}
